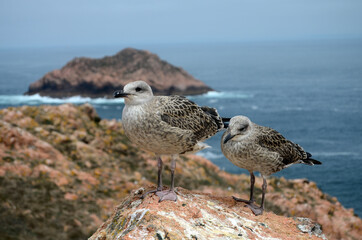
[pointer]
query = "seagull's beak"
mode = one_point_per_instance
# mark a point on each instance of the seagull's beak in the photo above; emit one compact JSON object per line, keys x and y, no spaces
{"x":228,"y":137}
{"x":120,"y":94}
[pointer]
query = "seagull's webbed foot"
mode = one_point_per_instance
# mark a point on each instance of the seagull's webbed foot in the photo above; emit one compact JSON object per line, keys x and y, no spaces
{"x":167,"y":195}
{"x":255,"y":209}
{"x":243,"y":200}
{"x":157,"y":190}
{"x":251,"y":204}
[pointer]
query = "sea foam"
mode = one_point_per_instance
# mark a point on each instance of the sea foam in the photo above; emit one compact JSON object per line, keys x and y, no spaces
{"x":228,"y":94}
{"x":36,"y":99}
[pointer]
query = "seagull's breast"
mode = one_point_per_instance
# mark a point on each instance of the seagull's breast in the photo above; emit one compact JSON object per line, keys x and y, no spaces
{"x":144,"y":127}
{"x":137,"y":123}
{"x":240,"y":154}
{"x":252,"y":157}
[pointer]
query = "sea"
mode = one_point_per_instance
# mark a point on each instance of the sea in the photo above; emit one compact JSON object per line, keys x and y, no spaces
{"x":310,"y":91}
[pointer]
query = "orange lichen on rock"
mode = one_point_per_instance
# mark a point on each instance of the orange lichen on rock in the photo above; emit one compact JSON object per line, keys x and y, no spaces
{"x":199,"y":216}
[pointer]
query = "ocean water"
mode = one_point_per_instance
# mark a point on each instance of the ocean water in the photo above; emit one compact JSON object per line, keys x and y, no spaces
{"x":311,"y":92}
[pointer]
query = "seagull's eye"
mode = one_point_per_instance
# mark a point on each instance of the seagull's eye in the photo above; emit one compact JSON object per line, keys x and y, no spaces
{"x":138,"y":89}
{"x":243,"y":128}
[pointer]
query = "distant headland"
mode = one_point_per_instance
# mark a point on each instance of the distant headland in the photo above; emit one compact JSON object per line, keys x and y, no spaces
{"x":93,"y":78}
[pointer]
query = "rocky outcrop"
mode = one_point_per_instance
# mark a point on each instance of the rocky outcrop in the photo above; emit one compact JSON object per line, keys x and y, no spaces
{"x":63,"y":170}
{"x":199,"y":216}
{"x":101,"y":77}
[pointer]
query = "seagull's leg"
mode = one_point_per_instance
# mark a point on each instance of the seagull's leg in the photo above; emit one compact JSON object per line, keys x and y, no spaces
{"x":159,"y":178}
{"x":159,"y":174}
{"x":170,"y":194}
{"x":259,"y":210}
{"x":252,"y":182}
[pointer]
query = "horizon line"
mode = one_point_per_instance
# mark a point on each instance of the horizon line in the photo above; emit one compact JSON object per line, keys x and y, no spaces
{"x":196,"y":42}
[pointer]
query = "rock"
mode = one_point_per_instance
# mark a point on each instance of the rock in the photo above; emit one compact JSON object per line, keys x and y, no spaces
{"x":63,"y":170}
{"x":307,"y":226}
{"x":304,"y":199}
{"x":101,"y":77}
{"x":197,"y":216}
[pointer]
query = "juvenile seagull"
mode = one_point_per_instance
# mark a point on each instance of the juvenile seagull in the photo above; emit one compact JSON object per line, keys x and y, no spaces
{"x":262,"y":149}
{"x":169,"y":125}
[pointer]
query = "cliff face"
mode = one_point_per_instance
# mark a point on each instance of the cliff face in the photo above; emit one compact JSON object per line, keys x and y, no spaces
{"x":63,"y":170}
{"x":101,"y":77}
{"x":199,"y":216}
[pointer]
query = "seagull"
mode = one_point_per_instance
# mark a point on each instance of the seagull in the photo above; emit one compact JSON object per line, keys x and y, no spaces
{"x":263,"y":149}
{"x":166,"y":125}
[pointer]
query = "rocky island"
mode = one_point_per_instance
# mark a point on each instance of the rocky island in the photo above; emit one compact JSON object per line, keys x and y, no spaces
{"x":101,"y":77}
{"x":63,"y":170}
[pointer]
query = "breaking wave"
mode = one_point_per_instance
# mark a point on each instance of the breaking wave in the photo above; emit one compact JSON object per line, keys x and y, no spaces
{"x":15,"y":100}
{"x":223,"y":95}
{"x":36,"y":99}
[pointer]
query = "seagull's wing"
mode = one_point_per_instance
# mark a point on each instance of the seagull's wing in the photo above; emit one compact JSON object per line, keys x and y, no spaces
{"x":182,"y":113}
{"x":275,"y":142}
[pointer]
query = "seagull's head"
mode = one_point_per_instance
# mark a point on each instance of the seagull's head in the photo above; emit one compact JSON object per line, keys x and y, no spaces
{"x":135,"y":93}
{"x":239,"y":128}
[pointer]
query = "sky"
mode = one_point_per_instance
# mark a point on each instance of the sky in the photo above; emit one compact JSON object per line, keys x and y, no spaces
{"x":36,"y":23}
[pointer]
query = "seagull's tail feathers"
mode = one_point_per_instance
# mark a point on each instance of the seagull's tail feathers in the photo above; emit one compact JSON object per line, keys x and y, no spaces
{"x":306,"y":157}
{"x":225,"y":119}
{"x":215,"y":116}
{"x":311,"y":161}
{"x":226,"y":122}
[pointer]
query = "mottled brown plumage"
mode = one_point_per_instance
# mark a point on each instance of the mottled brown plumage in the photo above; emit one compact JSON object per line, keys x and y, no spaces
{"x":184,"y":114}
{"x":275,"y":142}
{"x":261,"y":149}
{"x":166,"y":124}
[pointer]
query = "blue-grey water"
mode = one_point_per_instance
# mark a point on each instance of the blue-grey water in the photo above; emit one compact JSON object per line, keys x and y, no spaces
{"x":311,"y":92}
